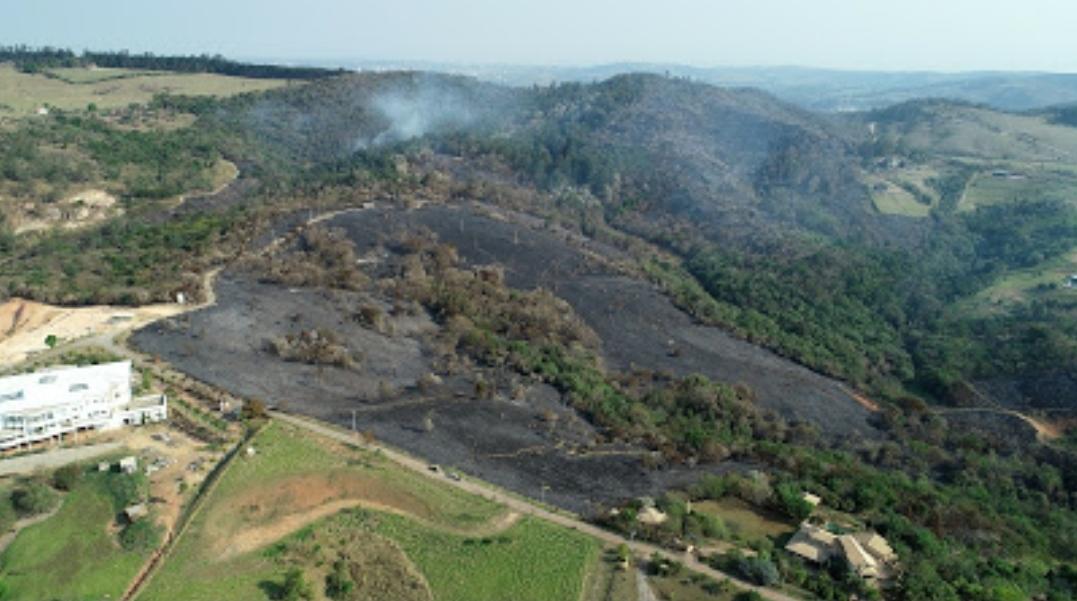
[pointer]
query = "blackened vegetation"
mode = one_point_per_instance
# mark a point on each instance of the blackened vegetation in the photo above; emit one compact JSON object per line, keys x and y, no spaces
{"x":536,"y":334}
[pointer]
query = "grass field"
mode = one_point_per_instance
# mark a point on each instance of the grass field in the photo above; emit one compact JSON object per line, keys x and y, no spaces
{"x":305,"y":501}
{"x":71,"y":555}
{"x":22,"y":94}
{"x":891,"y":196}
{"x":745,"y":522}
{"x":1027,"y":182}
{"x":1019,"y":287}
{"x":532,"y":561}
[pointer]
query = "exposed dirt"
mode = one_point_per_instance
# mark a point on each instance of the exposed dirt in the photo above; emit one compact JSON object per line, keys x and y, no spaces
{"x":78,"y":210}
{"x":24,"y":324}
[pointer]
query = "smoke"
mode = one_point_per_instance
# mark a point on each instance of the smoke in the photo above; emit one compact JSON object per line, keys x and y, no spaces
{"x":417,"y":111}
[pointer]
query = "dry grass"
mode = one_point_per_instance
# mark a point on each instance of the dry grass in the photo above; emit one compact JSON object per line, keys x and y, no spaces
{"x":22,"y":94}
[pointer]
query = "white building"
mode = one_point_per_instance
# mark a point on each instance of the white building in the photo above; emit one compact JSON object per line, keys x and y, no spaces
{"x":50,"y":403}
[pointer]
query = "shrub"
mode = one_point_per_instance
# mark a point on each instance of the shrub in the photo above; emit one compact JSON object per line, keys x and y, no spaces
{"x":295,"y":586}
{"x":34,"y":498}
{"x":141,"y":535}
{"x":126,"y":489}
{"x":67,"y":477}
{"x":338,"y":583}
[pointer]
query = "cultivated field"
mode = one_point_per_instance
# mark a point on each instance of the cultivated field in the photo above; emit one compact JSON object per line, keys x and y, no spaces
{"x":22,"y":94}
{"x":302,"y":500}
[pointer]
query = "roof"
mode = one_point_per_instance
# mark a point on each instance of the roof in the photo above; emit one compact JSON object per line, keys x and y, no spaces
{"x":812,"y":543}
{"x":29,"y":392}
{"x":812,"y":499}
{"x":652,"y":516}
{"x":133,"y":512}
{"x":877,"y":546}
{"x":855,"y":554}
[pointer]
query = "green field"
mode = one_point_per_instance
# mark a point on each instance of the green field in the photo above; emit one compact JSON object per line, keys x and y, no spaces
{"x":72,"y":555}
{"x":532,"y":561}
{"x":301,"y":501}
{"x":1026,"y":182}
{"x":1021,"y":286}
{"x":745,"y":522}
{"x":892,"y":190}
{"x":22,"y":94}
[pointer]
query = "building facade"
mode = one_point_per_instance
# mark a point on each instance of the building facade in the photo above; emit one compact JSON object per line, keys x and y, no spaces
{"x":48,"y":404}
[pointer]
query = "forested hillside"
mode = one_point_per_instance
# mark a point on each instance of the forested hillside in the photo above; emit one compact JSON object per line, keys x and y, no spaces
{"x":759,"y":217}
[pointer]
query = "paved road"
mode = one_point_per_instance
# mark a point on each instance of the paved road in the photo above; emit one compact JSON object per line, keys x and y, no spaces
{"x":55,"y":458}
{"x":527,"y":508}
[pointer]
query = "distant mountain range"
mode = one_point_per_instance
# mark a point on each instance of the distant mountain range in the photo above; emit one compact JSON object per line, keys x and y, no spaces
{"x":816,"y":89}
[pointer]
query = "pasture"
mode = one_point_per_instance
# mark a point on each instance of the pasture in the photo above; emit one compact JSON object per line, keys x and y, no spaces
{"x":21,"y":94}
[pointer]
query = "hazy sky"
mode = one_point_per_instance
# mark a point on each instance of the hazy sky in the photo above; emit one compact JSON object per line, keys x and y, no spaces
{"x":848,"y":34}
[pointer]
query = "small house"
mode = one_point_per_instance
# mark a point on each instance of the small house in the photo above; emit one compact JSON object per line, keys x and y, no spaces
{"x":104,"y":466}
{"x":135,"y":512}
{"x":812,"y":542}
{"x":129,"y":464}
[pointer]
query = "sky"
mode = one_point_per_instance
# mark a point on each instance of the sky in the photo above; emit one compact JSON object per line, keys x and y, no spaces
{"x":892,"y":35}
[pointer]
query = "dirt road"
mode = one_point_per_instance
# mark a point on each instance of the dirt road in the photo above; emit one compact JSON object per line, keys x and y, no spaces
{"x":527,"y":508}
{"x":28,"y":464}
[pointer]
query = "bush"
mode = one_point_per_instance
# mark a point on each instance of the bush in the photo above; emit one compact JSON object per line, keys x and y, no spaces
{"x":338,"y":583}
{"x":759,"y":570}
{"x":34,"y":498}
{"x":142,"y":535}
{"x":127,"y":489}
{"x":295,"y":586}
{"x":67,"y":477}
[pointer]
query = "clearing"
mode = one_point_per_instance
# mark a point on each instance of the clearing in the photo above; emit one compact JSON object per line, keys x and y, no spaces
{"x":747,"y":523}
{"x":24,"y":325}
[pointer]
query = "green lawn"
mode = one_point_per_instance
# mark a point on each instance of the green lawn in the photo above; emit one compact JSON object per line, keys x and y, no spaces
{"x":72,"y":555}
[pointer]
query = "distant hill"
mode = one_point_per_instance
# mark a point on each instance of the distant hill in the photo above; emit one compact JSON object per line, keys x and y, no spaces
{"x":818,"y":89}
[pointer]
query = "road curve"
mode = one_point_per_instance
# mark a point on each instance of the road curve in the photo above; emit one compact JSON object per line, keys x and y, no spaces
{"x":527,"y":508}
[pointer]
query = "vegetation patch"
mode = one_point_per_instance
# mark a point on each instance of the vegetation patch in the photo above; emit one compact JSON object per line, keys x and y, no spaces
{"x":77,"y":553}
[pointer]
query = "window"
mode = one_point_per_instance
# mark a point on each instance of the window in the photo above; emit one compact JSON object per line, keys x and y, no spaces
{"x":47,"y":380}
{"x":78,"y":387}
{"x":12,"y":396}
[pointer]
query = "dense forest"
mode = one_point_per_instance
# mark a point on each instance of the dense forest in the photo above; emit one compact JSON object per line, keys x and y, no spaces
{"x":40,"y":60}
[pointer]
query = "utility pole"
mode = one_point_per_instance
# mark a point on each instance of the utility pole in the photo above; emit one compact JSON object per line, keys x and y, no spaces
{"x":354,"y":430}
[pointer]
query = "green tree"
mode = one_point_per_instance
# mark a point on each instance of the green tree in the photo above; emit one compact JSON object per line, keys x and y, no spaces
{"x":66,"y":477}
{"x":51,"y":340}
{"x":338,"y":582}
{"x":141,"y":535}
{"x":295,"y":586}
{"x":34,"y":498}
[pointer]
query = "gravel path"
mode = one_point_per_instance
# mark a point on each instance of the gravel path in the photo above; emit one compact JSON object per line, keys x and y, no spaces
{"x":53,"y":459}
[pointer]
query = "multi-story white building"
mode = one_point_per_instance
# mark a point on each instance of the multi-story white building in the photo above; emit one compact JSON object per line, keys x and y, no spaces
{"x":50,"y":403}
